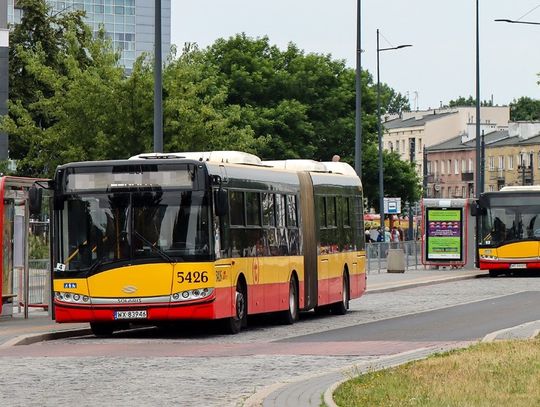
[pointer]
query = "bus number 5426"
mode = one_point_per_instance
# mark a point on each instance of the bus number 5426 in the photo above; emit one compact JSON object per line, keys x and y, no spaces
{"x":192,"y":276}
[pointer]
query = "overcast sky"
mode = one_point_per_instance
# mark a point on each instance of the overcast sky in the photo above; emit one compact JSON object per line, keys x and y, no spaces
{"x":439,"y":67}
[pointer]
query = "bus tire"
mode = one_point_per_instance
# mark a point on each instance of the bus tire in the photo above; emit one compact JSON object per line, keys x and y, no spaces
{"x":234,"y":324}
{"x":102,"y":329}
{"x":291,"y":315}
{"x":493,"y":273}
{"x":341,"y":307}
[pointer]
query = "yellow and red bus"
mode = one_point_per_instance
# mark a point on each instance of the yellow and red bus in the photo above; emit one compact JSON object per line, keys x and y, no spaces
{"x":508,"y":229}
{"x":203,"y":236}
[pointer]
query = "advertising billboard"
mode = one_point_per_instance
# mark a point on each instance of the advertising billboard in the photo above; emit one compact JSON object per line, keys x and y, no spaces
{"x":444,"y":234}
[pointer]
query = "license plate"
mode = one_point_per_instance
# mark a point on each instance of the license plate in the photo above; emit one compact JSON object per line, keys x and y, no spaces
{"x":518,"y":266}
{"x":139,"y":314}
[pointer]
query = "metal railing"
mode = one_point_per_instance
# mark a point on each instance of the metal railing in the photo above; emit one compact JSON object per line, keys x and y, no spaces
{"x":376,"y":254}
{"x":38,"y":284}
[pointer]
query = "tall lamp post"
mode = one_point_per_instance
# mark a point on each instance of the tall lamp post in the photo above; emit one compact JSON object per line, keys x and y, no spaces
{"x":479,"y":144}
{"x":158,"y":93}
{"x":358,"y":114}
{"x":379,"y":128}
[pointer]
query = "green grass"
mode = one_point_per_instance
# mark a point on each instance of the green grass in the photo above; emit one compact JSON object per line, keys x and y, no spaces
{"x":487,"y":374}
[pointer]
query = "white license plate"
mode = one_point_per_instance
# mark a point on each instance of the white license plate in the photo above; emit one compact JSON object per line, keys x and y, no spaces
{"x":518,"y":266}
{"x":139,"y":314}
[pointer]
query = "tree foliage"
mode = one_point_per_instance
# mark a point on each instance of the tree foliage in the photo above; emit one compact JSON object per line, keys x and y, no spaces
{"x":524,"y":109}
{"x":470,"y":101}
{"x":70,"y":101}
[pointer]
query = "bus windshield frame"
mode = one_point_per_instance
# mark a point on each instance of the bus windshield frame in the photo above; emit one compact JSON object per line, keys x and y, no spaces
{"x":120,"y":218}
{"x":508,"y":218}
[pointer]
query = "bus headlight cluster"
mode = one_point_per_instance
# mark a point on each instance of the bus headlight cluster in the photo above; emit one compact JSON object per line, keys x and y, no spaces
{"x":71,"y":298}
{"x":486,"y":257}
{"x":190,"y":295}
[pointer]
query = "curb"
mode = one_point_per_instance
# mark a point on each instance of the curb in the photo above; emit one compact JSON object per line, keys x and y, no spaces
{"x":397,"y":287}
{"x":46,"y":336}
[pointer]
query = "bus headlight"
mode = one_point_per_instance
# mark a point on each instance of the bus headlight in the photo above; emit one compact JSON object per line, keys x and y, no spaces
{"x":189,"y":295}
{"x":71,"y":298}
{"x":488,"y":257}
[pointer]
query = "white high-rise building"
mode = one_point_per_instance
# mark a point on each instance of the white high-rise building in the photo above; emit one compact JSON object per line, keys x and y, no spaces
{"x":129,"y":23}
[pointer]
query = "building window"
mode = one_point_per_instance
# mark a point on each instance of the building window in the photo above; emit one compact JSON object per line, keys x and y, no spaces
{"x":510,"y":162}
{"x":501,"y":162}
{"x":470,"y":165}
{"x":449,"y":168}
{"x":463,"y":166}
{"x":492,"y":163}
{"x":491,"y":189}
{"x":443,"y":169}
{"x":456,"y":168}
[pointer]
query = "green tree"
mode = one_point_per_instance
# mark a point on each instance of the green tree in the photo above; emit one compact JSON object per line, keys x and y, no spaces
{"x":471,"y":101}
{"x":525,"y":108}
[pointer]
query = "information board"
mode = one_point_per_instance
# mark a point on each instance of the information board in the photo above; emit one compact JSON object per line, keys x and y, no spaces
{"x":444,"y":234}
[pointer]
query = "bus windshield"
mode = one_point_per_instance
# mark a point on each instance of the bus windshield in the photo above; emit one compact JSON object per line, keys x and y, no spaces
{"x":136,"y":225}
{"x":507,"y":221}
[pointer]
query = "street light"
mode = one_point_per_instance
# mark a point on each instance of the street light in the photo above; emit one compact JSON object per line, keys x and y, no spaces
{"x":379,"y":128}
{"x":506,"y":20}
{"x":358,"y":113}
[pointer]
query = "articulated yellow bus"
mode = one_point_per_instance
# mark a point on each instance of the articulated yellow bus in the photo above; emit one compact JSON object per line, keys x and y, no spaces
{"x":508,"y":230}
{"x":203,"y":236}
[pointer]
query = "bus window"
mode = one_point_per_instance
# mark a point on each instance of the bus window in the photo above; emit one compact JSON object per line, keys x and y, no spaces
{"x":280,"y":210}
{"x":236,"y":203}
{"x":268,"y":208}
{"x":253,"y":209}
{"x":292,"y":220}
{"x":331,"y":211}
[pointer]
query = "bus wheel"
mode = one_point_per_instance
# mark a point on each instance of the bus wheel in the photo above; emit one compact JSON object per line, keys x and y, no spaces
{"x":493,"y":273}
{"x":292,"y":314}
{"x":103,"y":329}
{"x":340,"y":308}
{"x":234,"y":324}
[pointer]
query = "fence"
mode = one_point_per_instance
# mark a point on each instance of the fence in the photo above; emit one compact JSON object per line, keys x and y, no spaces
{"x":377,"y":252}
{"x":38,"y":284}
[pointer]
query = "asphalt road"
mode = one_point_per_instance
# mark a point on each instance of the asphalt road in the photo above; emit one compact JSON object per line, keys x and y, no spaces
{"x":196,"y":367}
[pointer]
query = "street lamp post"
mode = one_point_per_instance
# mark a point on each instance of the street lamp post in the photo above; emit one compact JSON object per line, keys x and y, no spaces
{"x":506,"y":20}
{"x":358,"y":115}
{"x":158,"y":80}
{"x":379,"y":128}
{"x":479,"y":150}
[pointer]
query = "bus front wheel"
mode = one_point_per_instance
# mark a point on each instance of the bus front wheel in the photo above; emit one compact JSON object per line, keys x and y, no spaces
{"x":493,"y":273}
{"x":102,"y":329}
{"x":234,"y":324}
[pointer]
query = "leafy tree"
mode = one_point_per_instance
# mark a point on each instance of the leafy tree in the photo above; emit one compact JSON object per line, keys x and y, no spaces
{"x":525,"y":108}
{"x":461,"y":101}
{"x":400,"y":177}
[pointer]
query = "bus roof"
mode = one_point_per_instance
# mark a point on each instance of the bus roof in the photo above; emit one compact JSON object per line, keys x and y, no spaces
{"x":232,"y":157}
{"x":521,"y":188}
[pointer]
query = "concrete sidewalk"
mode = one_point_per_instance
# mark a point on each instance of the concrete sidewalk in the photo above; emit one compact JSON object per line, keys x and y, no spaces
{"x":39,"y":327}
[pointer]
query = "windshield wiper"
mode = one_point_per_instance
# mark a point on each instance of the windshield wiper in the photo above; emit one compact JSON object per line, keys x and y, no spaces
{"x":152,"y":247}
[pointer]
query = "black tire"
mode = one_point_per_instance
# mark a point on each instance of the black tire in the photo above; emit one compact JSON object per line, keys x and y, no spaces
{"x":493,"y":273}
{"x":102,"y":329}
{"x":234,"y":324}
{"x":291,"y":315}
{"x":341,"y":307}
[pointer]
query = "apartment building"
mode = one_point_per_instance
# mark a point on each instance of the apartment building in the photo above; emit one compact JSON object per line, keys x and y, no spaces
{"x":512,"y":157}
{"x":409,"y":134}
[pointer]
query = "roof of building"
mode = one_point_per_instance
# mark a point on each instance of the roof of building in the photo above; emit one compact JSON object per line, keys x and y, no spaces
{"x":455,"y":143}
{"x":413,"y":121}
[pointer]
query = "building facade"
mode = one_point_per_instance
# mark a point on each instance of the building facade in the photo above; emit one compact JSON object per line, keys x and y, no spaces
{"x":409,"y":134}
{"x":128,"y":23}
{"x":512,"y":157}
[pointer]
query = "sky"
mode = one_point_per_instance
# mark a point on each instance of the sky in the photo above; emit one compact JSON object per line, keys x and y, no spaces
{"x":439,"y":67}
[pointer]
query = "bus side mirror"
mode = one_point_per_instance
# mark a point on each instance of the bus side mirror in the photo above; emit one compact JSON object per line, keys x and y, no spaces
{"x":35,"y":195}
{"x":221,"y":202}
